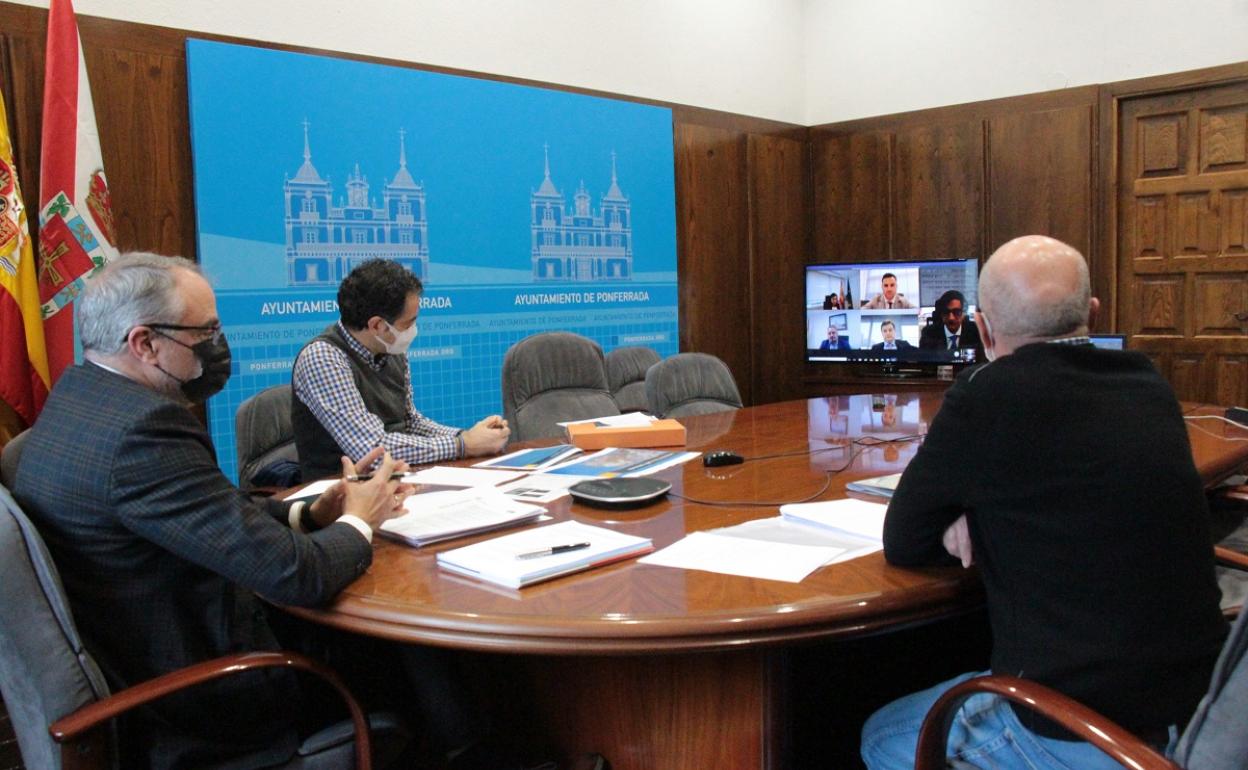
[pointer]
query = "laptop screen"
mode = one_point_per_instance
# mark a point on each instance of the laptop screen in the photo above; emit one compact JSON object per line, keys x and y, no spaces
{"x":1109,"y":341}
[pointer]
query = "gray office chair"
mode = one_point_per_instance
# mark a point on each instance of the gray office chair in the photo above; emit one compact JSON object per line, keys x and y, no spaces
{"x":9,"y":455}
{"x":1215,"y":738}
{"x":626,"y":377}
{"x":689,"y":384}
{"x":264,"y":440}
{"x":59,"y":702}
{"x":551,"y":378}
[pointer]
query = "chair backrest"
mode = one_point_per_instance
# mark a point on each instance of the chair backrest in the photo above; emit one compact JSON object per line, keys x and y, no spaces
{"x":263,"y":433}
{"x":626,"y":377}
{"x":551,"y":378}
{"x":45,"y":672}
{"x":1215,"y":739}
{"x":691,"y":383}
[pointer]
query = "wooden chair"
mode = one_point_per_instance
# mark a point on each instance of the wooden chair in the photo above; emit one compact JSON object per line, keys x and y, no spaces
{"x":1215,"y":739}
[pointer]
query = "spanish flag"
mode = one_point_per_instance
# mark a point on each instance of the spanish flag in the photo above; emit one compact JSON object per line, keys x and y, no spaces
{"x":76,"y":236}
{"x":24,"y":380}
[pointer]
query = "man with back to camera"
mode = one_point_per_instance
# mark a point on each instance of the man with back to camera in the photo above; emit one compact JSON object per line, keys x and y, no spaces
{"x":888,"y":298}
{"x":353,"y":387}
{"x":952,"y":330}
{"x":160,"y":555}
{"x":1085,"y":514}
{"x":834,"y":340}
{"x":888,"y":330}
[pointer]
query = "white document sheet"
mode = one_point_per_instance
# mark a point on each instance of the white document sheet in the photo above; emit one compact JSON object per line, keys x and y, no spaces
{"x":781,"y":530}
{"x":729,"y":555}
{"x":437,"y":516}
{"x":857,"y":517}
{"x":445,"y":476}
{"x":626,"y":420}
{"x":540,"y":487}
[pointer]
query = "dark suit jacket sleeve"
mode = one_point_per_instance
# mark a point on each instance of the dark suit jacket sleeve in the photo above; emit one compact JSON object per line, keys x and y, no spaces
{"x":933,"y":489}
{"x":166,"y":487}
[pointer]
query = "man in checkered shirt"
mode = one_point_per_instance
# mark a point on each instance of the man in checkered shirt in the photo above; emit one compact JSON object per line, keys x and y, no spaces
{"x":353,"y":388}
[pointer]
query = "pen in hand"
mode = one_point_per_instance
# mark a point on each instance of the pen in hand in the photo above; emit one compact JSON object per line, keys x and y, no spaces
{"x":554,"y":549}
{"x":396,"y":476}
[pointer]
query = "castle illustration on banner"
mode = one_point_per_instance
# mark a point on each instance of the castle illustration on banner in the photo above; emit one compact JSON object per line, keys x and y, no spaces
{"x":324,"y":242}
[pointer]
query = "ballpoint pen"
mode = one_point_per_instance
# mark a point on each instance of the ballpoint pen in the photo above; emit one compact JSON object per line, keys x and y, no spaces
{"x":554,"y":549}
{"x":396,"y":476}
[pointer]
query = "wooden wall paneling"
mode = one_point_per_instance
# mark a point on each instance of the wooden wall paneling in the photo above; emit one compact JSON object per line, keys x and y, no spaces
{"x":852,"y":186}
{"x":144,"y":132}
{"x":713,"y":251}
{"x":1040,"y":176}
{"x":779,"y":224}
{"x":938,"y":192}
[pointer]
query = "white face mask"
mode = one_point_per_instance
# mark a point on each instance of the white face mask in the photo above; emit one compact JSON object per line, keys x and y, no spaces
{"x":402,"y":340}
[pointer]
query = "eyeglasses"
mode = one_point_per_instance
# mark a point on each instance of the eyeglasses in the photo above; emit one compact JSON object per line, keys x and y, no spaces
{"x":953,"y":311}
{"x":207,"y":331}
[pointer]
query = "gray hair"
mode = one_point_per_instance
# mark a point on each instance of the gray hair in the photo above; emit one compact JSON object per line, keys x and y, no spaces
{"x":1037,"y":308}
{"x":135,"y":289}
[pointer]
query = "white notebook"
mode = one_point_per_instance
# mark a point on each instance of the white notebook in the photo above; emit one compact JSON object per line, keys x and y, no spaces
{"x":855,"y":517}
{"x":499,"y":560}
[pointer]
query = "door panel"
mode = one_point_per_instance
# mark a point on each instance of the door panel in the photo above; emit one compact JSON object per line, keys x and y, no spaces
{"x":1182,"y":160}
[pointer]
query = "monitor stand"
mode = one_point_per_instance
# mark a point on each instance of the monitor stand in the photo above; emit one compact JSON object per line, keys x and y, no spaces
{"x":892,"y":371}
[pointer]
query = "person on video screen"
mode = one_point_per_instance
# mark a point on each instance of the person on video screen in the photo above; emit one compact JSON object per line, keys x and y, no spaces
{"x":889,"y":330}
{"x":888,"y":298}
{"x":952,"y":330}
{"x":834,"y":341}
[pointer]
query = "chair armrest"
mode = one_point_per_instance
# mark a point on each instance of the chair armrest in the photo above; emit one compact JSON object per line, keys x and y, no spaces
{"x":1238,"y":493}
{"x":1230,"y":557}
{"x":1124,"y":747}
{"x":72,"y":726}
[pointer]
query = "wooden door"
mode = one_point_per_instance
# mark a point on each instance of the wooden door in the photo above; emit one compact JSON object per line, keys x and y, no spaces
{"x":1182,"y":235}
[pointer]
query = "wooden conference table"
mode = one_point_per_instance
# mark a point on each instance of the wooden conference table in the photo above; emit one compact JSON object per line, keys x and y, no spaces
{"x":665,"y":668}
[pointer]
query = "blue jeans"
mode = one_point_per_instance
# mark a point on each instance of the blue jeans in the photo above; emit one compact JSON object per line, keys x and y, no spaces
{"x":985,"y":734}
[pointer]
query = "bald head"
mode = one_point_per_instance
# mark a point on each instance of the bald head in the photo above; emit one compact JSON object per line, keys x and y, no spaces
{"x":1035,"y":288}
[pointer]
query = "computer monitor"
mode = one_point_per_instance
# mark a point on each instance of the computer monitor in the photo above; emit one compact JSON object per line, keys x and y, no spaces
{"x":874,"y":312}
{"x":1109,"y":341}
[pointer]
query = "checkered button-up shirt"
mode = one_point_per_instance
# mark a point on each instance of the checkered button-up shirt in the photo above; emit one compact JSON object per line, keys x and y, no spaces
{"x":322,"y":379}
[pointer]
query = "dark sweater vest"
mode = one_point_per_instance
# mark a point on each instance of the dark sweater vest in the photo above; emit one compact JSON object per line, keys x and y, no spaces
{"x":384,"y":393}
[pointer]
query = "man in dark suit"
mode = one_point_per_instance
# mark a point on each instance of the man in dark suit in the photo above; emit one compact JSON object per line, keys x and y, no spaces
{"x":888,"y":330}
{"x":952,"y":330}
{"x":834,"y":341}
{"x":161,"y":556}
{"x":1080,"y":503}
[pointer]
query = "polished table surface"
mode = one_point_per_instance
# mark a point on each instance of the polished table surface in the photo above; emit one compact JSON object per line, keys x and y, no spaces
{"x":635,"y":625}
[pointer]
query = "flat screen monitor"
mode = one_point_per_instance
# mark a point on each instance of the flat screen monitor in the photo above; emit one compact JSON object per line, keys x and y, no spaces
{"x":875,"y":312}
{"x":1109,"y":341}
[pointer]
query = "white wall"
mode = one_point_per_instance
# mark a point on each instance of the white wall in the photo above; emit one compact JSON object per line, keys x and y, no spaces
{"x":875,"y":57}
{"x":801,"y":61}
{"x":742,"y":56}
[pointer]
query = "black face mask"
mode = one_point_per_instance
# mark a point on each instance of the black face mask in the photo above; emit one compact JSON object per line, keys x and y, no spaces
{"x":214,"y":359}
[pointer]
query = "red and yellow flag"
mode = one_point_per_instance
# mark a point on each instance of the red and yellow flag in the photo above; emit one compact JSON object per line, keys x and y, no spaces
{"x":24,"y":380}
{"x":76,"y":236}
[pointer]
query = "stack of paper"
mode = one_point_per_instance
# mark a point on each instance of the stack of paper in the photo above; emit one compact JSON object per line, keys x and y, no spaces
{"x":881,"y":486}
{"x":856,"y":518}
{"x":534,"y":555}
{"x":437,"y":516}
{"x":452,"y":476}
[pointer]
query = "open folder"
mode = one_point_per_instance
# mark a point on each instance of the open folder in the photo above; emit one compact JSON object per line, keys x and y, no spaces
{"x":542,"y":553}
{"x":437,"y":516}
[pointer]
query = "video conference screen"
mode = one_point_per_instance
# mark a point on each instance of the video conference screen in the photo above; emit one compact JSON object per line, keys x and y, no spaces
{"x":877,"y":312}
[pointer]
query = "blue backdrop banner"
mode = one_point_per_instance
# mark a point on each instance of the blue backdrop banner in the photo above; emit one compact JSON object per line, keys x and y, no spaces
{"x":521,"y":209}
